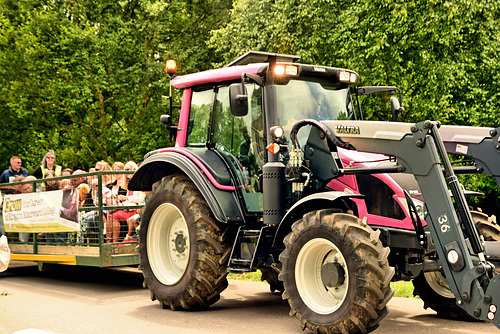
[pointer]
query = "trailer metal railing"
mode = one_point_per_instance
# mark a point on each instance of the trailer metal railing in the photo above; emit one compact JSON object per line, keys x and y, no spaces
{"x":86,"y":247}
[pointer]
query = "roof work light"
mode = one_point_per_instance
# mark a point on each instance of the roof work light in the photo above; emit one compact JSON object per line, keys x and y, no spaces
{"x":347,"y":76}
{"x":281,"y":69}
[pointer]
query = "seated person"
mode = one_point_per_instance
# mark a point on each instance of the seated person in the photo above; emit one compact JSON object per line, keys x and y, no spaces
{"x":90,"y":219}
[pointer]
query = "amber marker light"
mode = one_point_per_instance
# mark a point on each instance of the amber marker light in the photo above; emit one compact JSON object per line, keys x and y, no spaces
{"x":273,"y":148}
{"x":171,"y":67}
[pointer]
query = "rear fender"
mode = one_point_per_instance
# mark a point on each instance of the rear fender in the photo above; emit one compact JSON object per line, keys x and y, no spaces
{"x":324,"y":200}
{"x":216,"y":187}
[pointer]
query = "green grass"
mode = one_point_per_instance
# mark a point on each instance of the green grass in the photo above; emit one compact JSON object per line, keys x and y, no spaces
{"x":252,"y":276}
{"x":401,"y":288}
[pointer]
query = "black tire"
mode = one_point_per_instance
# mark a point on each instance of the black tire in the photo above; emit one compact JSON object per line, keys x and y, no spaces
{"x":271,"y":276}
{"x":182,"y":247}
{"x":433,"y":288}
{"x":487,"y":225}
{"x":359,"y":280}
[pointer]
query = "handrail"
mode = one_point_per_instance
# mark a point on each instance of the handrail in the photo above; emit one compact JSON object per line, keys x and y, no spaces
{"x":57,"y":178}
{"x":100,"y":207}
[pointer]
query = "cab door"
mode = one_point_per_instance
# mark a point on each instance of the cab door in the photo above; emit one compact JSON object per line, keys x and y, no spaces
{"x":238,"y":140}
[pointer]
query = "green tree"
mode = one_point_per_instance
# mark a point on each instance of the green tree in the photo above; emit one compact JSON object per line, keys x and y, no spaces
{"x":442,"y":54}
{"x":86,"y":78}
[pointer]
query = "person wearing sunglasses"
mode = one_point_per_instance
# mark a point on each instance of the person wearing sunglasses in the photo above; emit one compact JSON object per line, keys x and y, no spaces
{"x":14,"y":170}
{"x":48,"y":163}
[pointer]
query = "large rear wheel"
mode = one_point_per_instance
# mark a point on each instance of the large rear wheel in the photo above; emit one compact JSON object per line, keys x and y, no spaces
{"x":182,"y":248}
{"x":433,"y":288}
{"x":335,"y":273}
{"x":487,"y":225}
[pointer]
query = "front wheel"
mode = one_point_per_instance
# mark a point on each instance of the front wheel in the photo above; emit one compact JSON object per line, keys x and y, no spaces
{"x":335,"y":273}
{"x":182,"y":248}
{"x":433,"y":289}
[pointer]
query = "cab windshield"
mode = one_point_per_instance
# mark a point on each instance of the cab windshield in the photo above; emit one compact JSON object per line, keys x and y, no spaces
{"x":300,"y":99}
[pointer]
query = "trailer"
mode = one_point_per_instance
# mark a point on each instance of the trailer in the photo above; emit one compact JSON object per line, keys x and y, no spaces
{"x":45,"y":241}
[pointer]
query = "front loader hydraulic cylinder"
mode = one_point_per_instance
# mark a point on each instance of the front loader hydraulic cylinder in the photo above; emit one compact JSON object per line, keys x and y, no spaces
{"x":456,"y":190}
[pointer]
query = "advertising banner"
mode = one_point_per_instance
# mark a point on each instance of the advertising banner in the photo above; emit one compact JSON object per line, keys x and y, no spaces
{"x":50,"y":211}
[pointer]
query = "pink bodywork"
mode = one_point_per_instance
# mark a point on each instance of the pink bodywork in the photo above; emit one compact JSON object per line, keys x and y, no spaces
{"x":349,"y":183}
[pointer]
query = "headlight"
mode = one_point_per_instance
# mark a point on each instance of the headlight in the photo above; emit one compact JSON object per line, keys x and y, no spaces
{"x":276,"y":132}
{"x":419,"y":206}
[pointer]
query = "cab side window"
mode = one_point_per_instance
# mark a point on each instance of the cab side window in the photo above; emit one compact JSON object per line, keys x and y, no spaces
{"x":199,"y":118}
{"x":239,"y":140}
{"x":227,"y":129}
{"x":242,"y":137}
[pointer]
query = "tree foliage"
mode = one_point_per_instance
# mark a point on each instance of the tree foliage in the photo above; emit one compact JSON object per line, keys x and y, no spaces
{"x":86,"y":78}
{"x":442,"y":54}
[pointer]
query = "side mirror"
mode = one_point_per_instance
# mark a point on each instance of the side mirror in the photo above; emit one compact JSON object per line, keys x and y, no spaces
{"x":395,"y":109}
{"x":166,"y":120}
{"x":238,"y":99}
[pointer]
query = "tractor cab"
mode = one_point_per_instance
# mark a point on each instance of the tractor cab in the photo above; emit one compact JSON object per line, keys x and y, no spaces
{"x":232,"y":110}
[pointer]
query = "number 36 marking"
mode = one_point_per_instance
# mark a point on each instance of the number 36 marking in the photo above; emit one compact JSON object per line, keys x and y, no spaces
{"x":443,"y":220}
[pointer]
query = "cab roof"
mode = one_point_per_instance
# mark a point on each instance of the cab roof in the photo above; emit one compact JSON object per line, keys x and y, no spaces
{"x":217,"y":75}
{"x":252,"y":62}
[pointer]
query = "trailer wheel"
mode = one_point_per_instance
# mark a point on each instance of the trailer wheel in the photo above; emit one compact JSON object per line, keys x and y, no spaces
{"x":335,"y":273}
{"x":433,"y":288}
{"x":181,"y":247}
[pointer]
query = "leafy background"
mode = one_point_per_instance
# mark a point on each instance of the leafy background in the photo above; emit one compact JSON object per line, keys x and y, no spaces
{"x":86,"y":78}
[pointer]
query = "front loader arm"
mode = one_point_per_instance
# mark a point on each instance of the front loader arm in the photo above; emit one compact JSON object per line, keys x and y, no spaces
{"x":420,"y":151}
{"x":480,"y":143}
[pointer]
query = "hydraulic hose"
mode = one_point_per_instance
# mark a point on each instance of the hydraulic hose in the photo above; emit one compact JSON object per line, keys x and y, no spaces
{"x":330,"y":136}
